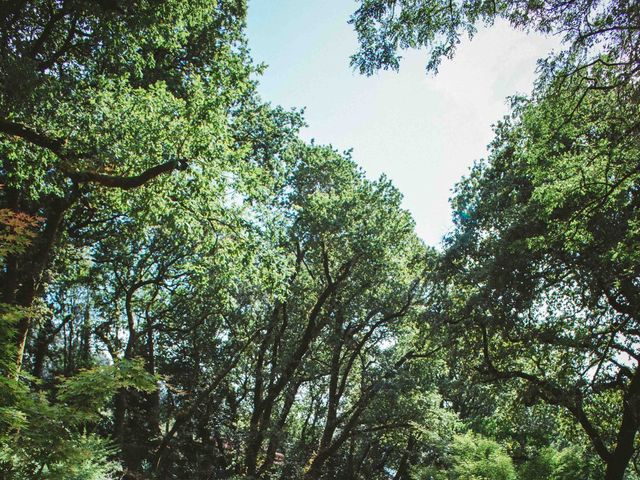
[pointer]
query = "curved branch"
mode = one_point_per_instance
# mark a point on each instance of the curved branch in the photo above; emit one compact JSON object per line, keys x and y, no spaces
{"x":551,"y":393}
{"x":26,"y":133}
{"x":112,"y":181}
{"x":123,"y":182}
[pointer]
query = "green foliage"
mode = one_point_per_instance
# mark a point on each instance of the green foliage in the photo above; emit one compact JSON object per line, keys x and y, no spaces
{"x":82,"y":457}
{"x":161,"y":225}
{"x":542,"y":465}
{"x":474,"y":457}
{"x":47,"y":438}
{"x":88,"y":391}
{"x":571,"y":463}
{"x":594,"y":32}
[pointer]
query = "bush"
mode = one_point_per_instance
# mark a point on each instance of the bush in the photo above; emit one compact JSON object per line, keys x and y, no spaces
{"x":475,"y":457}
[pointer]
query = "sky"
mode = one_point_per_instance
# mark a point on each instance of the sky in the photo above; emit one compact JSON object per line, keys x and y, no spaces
{"x":423,"y":131}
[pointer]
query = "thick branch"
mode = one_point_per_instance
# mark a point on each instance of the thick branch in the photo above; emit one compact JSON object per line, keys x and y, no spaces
{"x":551,"y":393}
{"x":183,"y":416}
{"x":113,"y":181}
{"x":118,"y":181}
{"x":30,"y":135}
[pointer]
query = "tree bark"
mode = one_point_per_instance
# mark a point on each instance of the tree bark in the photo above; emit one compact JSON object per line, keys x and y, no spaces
{"x":39,"y":259}
{"x":153,"y":397}
{"x":619,"y":459}
{"x":403,"y":467}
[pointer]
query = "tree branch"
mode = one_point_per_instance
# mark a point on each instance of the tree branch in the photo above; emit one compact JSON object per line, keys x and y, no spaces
{"x":112,"y":181}
{"x":551,"y":393}
{"x":18,"y":130}
{"x":123,"y":182}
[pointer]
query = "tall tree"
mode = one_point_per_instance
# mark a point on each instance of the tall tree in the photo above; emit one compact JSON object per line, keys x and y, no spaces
{"x":110,"y":95}
{"x":541,"y":271}
{"x":357,"y":269}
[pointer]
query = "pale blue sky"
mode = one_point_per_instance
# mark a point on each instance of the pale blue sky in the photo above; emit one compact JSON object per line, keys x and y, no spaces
{"x":422,"y":131}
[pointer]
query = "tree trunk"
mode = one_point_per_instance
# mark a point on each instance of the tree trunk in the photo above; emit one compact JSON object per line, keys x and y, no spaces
{"x":41,"y":350}
{"x":619,"y":459}
{"x":85,"y":341}
{"x":119,"y":416}
{"x":38,"y":259}
{"x":616,"y":468}
{"x":153,"y":397}
{"x":403,"y":467}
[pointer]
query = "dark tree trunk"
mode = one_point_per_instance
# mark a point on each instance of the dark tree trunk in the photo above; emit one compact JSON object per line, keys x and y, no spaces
{"x":153,"y":397}
{"x":85,"y":341}
{"x":41,"y":350}
{"x":119,"y":416}
{"x":619,"y":459}
{"x":31,"y":272}
{"x":403,"y":467}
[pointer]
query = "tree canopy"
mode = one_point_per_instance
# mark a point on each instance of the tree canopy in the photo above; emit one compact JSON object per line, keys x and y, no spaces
{"x":190,"y":290}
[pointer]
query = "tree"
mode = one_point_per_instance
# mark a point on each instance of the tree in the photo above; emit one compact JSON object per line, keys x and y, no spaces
{"x":108,"y":96}
{"x":541,"y":270}
{"x":131,"y":134}
{"x":45,"y":438}
{"x":594,"y":32}
{"x":356,"y":269}
{"x":191,"y":291}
